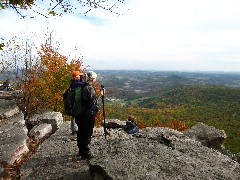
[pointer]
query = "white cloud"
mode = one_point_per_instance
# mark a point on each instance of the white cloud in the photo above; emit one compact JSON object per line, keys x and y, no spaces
{"x":154,"y":34}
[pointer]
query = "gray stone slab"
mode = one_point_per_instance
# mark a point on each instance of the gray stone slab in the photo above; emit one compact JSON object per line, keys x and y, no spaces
{"x":17,"y":119}
{"x":40,"y":131}
{"x":46,"y":116}
{"x":8,"y":108}
{"x":115,"y":123}
{"x":13,"y":143}
{"x":237,"y":157}
{"x":209,"y":136}
{"x":159,"y":153}
{"x":6,"y":95}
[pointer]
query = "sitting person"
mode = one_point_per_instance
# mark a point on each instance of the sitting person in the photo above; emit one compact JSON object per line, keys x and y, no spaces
{"x":131,"y":125}
{"x":6,"y":86}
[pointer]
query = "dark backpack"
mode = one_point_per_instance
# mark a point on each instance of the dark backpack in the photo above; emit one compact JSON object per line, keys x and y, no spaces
{"x":72,"y":99}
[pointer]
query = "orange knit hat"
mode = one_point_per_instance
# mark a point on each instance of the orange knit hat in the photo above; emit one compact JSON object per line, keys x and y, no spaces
{"x":76,"y":73}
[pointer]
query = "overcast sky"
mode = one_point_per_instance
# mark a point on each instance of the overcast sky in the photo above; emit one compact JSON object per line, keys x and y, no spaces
{"x":153,"y":34}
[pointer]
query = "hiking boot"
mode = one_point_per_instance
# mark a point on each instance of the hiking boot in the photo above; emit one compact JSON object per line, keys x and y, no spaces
{"x":86,"y":156}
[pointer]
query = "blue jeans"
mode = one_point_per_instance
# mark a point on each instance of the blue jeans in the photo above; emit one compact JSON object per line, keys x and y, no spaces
{"x":134,"y":130}
{"x":74,"y":127}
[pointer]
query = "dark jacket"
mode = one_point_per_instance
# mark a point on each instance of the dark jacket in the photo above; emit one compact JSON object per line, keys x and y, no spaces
{"x":76,"y":83}
{"x":6,"y":87}
{"x":130,"y":125}
{"x":90,"y":100}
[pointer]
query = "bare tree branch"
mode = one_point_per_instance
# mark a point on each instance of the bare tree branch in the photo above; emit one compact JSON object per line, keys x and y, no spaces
{"x":15,"y":8}
{"x":62,"y":6}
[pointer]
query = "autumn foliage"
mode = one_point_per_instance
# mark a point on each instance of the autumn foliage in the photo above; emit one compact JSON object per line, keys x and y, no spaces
{"x":49,"y":76}
{"x":47,"y":80}
{"x":146,"y":117}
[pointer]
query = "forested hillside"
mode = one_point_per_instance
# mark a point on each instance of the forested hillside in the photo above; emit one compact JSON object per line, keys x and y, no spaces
{"x":213,"y":99}
{"x":133,"y":84}
{"x":212,"y":105}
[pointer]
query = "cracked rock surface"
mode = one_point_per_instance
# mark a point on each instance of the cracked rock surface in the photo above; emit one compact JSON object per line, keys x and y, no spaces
{"x":159,"y":153}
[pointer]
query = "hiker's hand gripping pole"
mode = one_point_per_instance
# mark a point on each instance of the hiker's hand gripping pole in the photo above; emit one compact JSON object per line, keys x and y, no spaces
{"x":104,"y":120}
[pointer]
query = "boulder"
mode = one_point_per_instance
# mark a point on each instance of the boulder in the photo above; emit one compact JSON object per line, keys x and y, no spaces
{"x":98,"y":133}
{"x":13,"y":133}
{"x":158,"y":153}
{"x":9,"y":95}
{"x":237,"y":157}
{"x":40,"y":131}
{"x":6,"y":95}
{"x":17,"y":119}
{"x":115,"y":123}
{"x":209,"y":136}
{"x":46,"y":116}
{"x":13,"y":143}
{"x":8,"y":108}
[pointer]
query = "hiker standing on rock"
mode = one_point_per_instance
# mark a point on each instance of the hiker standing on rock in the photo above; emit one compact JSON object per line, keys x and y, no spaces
{"x":76,"y":81}
{"x":86,"y":119}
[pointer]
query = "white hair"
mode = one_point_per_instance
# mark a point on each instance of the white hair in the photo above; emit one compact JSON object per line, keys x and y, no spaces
{"x":91,"y":75}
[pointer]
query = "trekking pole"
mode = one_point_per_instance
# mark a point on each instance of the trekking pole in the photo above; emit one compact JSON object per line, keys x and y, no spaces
{"x":104,"y":121}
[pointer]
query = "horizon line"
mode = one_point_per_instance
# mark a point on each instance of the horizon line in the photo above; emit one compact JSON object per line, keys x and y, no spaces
{"x":209,"y":71}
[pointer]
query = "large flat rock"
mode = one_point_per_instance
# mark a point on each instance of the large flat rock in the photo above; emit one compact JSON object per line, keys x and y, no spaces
{"x":13,"y":133}
{"x":159,"y":153}
{"x":13,"y":143}
{"x":8,"y":108}
{"x":6,"y":95}
{"x":46,"y":116}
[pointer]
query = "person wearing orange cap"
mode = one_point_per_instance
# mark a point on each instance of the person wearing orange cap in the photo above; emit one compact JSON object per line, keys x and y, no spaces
{"x":76,"y":81}
{"x":86,"y":119}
